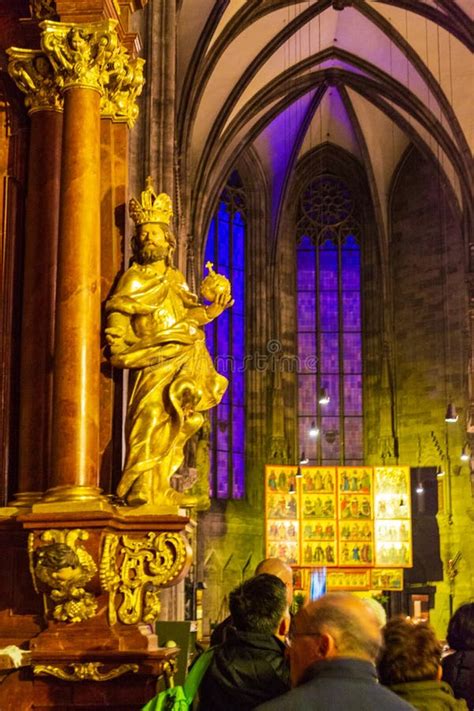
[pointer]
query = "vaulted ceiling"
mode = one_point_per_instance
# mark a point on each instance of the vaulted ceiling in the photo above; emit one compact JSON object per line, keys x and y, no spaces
{"x":285,"y":77}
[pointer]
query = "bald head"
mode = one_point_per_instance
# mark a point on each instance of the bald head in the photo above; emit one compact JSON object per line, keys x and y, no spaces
{"x":336,"y":625}
{"x":275,"y":566}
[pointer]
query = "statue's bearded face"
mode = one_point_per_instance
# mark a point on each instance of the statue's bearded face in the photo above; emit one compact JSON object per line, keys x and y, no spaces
{"x":152,"y":243}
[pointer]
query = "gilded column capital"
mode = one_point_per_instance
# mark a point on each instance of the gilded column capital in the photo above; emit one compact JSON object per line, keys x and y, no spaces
{"x":125,"y":84}
{"x":34,"y":75}
{"x":83,"y":55}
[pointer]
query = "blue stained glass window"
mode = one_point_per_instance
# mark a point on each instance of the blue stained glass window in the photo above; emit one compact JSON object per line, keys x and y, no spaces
{"x":328,"y":269}
{"x":329,"y":309}
{"x":225,"y":337}
{"x":307,"y":310}
{"x":305,"y":269}
{"x":328,"y":262}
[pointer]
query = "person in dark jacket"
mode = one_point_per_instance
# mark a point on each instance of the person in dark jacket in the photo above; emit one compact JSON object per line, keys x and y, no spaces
{"x":458,"y":667}
{"x":272,"y":566}
{"x":334,"y":643}
{"x":250,"y":666}
{"x":410,"y":666}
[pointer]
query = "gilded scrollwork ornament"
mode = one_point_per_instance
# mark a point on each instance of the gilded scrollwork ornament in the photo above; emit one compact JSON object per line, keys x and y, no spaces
{"x":34,"y":75}
{"x":81,"y":54}
{"x":84,"y":672}
{"x":134,"y":569}
{"x":62,"y":568}
{"x":125,"y":84}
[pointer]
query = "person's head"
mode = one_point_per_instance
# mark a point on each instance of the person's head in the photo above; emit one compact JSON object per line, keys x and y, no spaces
{"x":377,"y":608}
{"x":461,"y":628}
{"x":411,"y":652}
{"x":275,"y":566}
{"x":259,"y":605}
{"x":336,"y":625}
{"x":153,"y":242}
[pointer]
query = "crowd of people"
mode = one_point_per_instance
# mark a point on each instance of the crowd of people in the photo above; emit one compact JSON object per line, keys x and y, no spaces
{"x":337,"y":652}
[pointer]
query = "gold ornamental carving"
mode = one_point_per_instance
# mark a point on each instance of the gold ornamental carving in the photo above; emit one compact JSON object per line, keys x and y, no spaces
{"x":134,"y":569}
{"x":125,"y":84}
{"x":81,"y":54}
{"x":34,"y":75}
{"x":84,"y":672}
{"x":63,"y":568}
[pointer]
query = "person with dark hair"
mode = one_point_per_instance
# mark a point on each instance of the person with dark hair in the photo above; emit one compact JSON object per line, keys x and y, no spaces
{"x":250,"y":666}
{"x":458,"y":667}
{"x":272,"y":566}
{"x":334,"y":643}
{"x":410,"y":666}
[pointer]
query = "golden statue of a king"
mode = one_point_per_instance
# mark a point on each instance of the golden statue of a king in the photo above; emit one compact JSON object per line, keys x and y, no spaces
{"x":154,"y":327}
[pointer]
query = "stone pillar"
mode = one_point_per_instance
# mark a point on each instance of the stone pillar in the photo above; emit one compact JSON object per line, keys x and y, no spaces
{"x":160,"y":95}
{"x":33,"y":74}
{"x":80,"y":55}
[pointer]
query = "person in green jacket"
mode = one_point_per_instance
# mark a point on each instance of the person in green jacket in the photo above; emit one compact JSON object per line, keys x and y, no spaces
{"x":410,"y":666}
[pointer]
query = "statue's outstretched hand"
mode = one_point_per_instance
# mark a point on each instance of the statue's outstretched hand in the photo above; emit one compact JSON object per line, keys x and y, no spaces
{"x":223,"y":301}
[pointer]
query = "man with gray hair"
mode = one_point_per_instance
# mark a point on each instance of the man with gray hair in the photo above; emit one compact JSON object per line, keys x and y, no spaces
{"x":335,"y":642}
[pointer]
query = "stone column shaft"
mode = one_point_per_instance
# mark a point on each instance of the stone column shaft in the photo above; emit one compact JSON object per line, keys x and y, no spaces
{"x":77,"y":345}
{"x":38,"y":303}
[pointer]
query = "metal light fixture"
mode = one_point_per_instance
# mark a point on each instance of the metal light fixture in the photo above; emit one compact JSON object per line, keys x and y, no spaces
{"x":466,"y":453}
{"x":299,"y":473}
{"x":303,"y":458}
{"x":451,"y":414}
{"x":323,"y":396}
{"x":313,"y":431}
{"x":419,"y":488}
{"x":440,"y":472}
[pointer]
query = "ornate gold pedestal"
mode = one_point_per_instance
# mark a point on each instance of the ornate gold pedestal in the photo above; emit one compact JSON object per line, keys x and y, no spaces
{"x":97,"y":577}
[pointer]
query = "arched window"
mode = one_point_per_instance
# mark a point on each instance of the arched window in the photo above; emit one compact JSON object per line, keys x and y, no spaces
{"x":225,"y":337}
{"x":329,"y":324}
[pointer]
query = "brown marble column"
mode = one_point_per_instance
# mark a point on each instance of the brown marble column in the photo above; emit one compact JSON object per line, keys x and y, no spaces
{"x":75,"y":450}
{"x":34,"y":75}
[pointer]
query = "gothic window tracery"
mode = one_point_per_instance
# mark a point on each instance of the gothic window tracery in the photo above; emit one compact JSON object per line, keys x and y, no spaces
{"x":329,"y":322}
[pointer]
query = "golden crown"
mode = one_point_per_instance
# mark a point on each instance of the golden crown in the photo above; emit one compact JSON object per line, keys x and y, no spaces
{"x":152,"y":208}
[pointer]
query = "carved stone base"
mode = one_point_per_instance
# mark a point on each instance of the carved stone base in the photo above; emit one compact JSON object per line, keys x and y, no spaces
{"x":118,"y":681}
{"x":93,"y":580}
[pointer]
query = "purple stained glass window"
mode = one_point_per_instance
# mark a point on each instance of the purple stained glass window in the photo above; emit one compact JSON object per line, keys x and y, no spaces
{"x":329,"y":310}
{"x":351,"y":310}
{"x":329,"y":317}
{"x":328,"y":269}
{"x":353,"y":394}
{"x":329,"y":349}
{"x":225,"y":337}
{"x":307,"y":310}
{"x":352,"y":349}
{"x":306,"y":394}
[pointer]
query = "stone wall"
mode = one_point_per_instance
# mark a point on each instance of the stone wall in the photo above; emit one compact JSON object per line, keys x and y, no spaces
{"x":431,"y":352}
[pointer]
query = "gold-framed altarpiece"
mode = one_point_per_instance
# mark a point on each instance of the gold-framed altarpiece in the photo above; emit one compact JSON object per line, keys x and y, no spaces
{"x":353,"y":520}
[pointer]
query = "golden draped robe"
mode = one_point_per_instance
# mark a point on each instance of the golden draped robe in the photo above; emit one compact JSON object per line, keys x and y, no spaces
{"x":154,"y":327}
